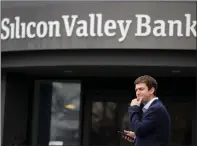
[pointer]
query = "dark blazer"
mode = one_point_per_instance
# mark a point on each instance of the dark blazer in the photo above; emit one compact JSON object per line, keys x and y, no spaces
{"x":153,"y":127}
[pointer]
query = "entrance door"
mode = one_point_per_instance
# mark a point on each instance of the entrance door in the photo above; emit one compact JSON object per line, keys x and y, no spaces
{"x":108,"y":114}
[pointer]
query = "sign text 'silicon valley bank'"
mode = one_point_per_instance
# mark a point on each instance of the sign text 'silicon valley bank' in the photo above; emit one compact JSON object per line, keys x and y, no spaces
{"x":96,"y":26}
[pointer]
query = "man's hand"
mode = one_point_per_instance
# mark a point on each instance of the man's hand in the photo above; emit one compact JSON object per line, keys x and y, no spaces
{"x":131,"y":136}
{"x":136,"y":102}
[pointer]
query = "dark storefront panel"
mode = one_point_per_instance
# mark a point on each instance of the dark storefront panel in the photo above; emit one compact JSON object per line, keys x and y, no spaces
{"x":17,"y":108}
{"x":98,"y":58}
{"x":3,"y":90}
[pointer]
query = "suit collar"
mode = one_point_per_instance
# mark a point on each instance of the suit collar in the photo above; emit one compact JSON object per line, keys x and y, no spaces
{"x":155,"y":101}
{"x":150,"y":103}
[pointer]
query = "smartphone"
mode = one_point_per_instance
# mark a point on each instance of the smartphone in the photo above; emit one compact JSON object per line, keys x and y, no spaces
{"x":123,"y":133}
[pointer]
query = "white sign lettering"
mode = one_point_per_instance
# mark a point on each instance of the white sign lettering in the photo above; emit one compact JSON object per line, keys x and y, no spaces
{"x":95,"y":26}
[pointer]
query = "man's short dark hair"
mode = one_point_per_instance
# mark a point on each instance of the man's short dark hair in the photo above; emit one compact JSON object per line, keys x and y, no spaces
{"x":149,"y":81}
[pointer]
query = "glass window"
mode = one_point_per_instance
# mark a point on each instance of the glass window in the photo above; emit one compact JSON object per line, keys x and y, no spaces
{"x":65,"y":113}
{"x":59,"y":112}
{"x":103,"y":131}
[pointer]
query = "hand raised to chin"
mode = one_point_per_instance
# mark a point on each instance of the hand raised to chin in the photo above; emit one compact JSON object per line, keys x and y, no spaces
{"x":136,"y":102}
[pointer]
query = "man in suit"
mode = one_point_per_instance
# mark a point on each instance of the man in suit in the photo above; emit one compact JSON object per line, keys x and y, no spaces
{"x":153,"y":126}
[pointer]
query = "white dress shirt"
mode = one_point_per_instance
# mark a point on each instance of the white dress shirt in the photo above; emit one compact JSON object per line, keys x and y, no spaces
{"x":146,"y":106}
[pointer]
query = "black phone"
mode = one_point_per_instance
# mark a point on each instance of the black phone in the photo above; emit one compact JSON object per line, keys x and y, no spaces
{"x":123,"y":133}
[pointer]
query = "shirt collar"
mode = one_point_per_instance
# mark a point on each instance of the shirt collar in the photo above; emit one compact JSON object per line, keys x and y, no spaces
{"x":146,"y":106}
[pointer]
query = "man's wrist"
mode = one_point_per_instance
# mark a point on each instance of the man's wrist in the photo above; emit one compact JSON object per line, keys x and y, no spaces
{"x":135,"y":104}
{"x":134,"y":108}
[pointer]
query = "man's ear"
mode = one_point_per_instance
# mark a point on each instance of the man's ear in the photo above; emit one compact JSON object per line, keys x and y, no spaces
{"x":152,"y":90}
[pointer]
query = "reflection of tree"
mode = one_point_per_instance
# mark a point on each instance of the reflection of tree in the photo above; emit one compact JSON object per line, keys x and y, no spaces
{"x":63,"y":94}
{"x":57,"y":102}
{"x":103,"y":113}
{"x":65,"y":124}
{"x":103,"y":122}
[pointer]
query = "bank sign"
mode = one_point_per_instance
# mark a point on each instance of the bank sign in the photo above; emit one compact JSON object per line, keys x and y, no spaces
{"x":99,"y":25}
{"x":95,"y":26}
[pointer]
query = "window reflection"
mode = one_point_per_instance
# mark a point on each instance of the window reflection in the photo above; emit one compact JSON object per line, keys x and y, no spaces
{"x":104,"y":121}
{"x":107,"y":119}
{"x":125,"y":121}
{"x":65,"y":113}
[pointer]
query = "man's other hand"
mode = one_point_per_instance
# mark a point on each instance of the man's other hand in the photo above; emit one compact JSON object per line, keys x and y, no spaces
{"x":131,"y":136}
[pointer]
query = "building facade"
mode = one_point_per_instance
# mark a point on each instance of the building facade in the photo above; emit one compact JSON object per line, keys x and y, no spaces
{"x":68,"y":68}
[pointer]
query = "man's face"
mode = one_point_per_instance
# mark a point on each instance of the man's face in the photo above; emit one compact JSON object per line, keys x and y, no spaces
{"x":143,"y":93}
